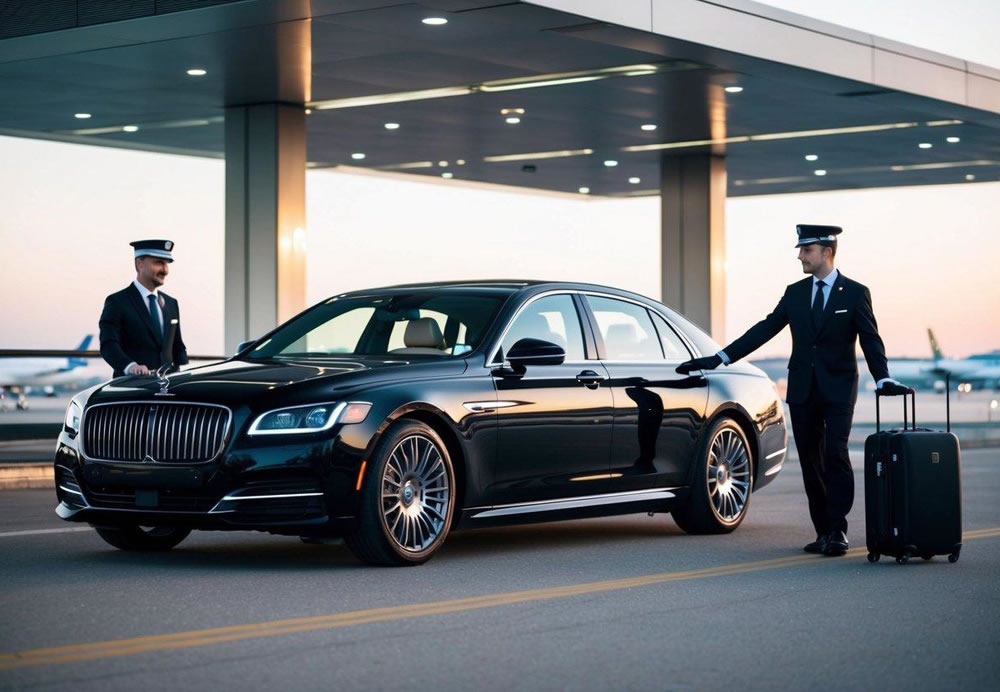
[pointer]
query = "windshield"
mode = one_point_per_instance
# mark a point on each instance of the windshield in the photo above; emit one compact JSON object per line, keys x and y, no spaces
{"x":422,"y":323}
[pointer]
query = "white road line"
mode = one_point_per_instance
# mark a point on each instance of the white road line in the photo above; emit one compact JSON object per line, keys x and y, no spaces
{"x":35,"y":532}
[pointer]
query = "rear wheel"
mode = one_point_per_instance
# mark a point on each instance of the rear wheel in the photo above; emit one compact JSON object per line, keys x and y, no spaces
{"x":407,"y":499}
{"x":148,"y":539}
{"x":721,"y":491}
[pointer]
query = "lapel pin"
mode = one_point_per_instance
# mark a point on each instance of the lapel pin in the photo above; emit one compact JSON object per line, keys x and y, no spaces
{"x":840,"y":288}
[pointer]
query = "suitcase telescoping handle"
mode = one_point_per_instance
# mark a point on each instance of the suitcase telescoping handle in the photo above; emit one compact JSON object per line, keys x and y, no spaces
{"x":910,"y":392}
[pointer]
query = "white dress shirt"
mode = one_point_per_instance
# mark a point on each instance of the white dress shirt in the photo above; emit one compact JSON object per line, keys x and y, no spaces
{"x":828,"y":282}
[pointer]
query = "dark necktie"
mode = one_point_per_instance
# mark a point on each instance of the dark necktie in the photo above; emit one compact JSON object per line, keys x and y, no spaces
{"x":817,"y":311}
{"x":154,"y":312}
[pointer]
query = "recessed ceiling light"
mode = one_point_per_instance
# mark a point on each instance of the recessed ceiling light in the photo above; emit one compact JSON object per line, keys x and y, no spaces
{"x":443,"y":164}
{"x":819,"y":171}
{"x":969,"y":176}
{"x":513,"y":120}
{"x":953,"y":140}
{"x":610,"y":163}
{"x":357,"y":156}
{"x":309,"y":111}
{"x":460,"y":162}
{"x":391,"y":126}
{"x":811,"y":157}
{"x":197,"y":72}
{"x":648,"y":127}
{"x":130,"y":128}
{"x":733,"y":89}
{"x":635,"y":181}
{"x":925,"y":145}
{"x":81,"y":116}
{"x":447,"y":174}
{"x":584,"y":190}
{"x":434,"y":21}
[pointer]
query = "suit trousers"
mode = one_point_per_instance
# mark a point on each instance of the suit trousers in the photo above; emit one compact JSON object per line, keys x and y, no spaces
{"x":821,"y":429}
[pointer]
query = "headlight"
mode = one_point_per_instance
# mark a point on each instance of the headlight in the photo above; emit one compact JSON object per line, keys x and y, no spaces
{"x":73,"y":413}
{"x":307,"y":419}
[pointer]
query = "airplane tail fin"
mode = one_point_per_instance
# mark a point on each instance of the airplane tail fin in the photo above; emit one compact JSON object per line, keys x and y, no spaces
{"x":79,"y":362}
{"x":935,"y":349}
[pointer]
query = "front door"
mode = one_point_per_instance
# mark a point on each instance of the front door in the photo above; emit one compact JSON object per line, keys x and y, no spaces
{"x":554,"y":421}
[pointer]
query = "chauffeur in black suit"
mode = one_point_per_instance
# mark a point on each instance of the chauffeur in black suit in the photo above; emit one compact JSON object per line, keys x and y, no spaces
{"x":828,"y":313}
{"x":140,"y":325}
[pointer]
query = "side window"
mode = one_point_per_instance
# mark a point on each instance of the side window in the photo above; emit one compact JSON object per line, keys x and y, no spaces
{"x":627,"y":331}
{"x":673,"y":348}
{"x":552,"y":319}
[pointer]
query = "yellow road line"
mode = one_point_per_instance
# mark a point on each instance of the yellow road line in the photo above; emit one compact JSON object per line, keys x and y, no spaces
{"x":273,"y":628}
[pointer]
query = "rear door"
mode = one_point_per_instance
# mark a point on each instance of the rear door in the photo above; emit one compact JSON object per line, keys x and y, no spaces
{"x":657,"y":411}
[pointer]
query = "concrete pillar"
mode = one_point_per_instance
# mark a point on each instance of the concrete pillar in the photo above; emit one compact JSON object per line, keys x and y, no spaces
{"x":265,"y":218}
{"x":693,"y":238}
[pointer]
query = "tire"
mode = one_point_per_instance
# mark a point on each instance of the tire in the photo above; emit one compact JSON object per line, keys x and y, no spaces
{"x":407,"y":498}
{"x":141,"y":539}
{"x":718,"y":503}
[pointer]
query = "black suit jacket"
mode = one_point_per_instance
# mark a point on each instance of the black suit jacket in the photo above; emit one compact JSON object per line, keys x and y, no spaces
{"x":128,"y":333}
{"x":827,"y":352}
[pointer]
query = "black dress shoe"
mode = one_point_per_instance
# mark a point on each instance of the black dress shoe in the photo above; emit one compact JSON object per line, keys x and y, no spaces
{"x":817,"y":546}
{"x":836,"y":544}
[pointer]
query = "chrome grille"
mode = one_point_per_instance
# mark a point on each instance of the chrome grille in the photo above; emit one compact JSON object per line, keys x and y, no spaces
{"x":163,"y":432}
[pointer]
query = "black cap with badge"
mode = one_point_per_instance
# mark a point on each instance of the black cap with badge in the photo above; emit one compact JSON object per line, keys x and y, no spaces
{"x":820,"y":235}
{"x":154,"y":248}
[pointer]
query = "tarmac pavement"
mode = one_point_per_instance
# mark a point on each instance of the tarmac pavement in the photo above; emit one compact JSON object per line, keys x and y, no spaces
{"x":620,"y":603}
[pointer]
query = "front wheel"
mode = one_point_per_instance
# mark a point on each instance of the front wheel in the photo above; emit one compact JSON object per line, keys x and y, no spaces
{"x":142,"y":538}
{"x":407,"y":499}
{"x":721,"y":491}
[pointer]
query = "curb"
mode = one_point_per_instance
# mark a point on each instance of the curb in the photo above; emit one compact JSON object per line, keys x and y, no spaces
{"x":21,"y":476}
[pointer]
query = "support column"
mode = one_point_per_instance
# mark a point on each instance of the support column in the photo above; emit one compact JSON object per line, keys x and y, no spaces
{"x":693,"y":239}
{"x":265,"y":218}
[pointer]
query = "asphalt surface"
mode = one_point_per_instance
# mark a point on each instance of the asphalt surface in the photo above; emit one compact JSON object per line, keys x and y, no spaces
{"x":745,"y":611}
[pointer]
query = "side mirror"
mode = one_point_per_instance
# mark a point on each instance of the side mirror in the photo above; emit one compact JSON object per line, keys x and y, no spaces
{"x":243,"y":345}
{"x":534,"y":352}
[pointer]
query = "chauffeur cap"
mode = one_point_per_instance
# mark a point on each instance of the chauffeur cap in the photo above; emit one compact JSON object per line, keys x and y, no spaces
{"x":810,"y":234}
{"x":154,"y":248}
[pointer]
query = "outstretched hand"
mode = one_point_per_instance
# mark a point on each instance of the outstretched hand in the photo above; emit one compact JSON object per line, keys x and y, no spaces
{"x":706,"y":363}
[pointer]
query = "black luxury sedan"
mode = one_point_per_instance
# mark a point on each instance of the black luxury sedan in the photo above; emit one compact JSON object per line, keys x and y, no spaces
{"x":390,"y":416}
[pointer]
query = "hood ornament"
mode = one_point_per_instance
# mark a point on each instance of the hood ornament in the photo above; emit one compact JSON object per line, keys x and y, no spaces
{"x":161,"y":379}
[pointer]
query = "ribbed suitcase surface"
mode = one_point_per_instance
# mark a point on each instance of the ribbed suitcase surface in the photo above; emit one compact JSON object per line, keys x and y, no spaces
{"x":913,"y":503}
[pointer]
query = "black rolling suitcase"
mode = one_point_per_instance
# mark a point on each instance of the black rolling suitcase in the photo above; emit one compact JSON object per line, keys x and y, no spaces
{"x":913,"y":497}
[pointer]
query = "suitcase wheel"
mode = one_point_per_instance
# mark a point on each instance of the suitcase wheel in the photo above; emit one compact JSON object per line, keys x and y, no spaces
{"x":874,"y":557}
{"x":903,"y":559}
{"x":954,"y":556}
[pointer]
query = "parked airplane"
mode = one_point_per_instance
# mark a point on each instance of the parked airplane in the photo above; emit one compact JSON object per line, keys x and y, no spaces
{"x":19,"y":375}
{"x":979,"y":371}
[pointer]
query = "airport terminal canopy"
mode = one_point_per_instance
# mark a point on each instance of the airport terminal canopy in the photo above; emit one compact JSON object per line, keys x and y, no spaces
{"x":542,"y":94}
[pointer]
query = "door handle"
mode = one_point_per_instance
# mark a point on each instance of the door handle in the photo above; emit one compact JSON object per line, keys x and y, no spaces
{"x":590,"y":379}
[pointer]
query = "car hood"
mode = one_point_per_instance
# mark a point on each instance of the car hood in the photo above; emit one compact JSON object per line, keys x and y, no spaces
{"x":235,"y":382}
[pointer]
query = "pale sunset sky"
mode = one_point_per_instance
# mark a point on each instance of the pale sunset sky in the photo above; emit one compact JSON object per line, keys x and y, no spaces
{"x":927,"y":253}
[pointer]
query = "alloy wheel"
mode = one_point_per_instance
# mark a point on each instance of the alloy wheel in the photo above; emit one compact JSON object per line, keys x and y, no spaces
{"x":728,"y":475}
{"x":415,"y":493}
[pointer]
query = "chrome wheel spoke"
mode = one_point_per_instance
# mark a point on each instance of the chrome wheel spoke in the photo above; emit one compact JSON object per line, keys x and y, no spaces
{"x":416,"y":493}
{"x":728,"y":475}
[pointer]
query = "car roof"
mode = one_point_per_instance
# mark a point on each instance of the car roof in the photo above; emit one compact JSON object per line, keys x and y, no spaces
{"x":502,"y":286}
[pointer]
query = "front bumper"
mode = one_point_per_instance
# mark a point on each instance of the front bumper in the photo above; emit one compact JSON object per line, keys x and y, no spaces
{"x":293,"y":487}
